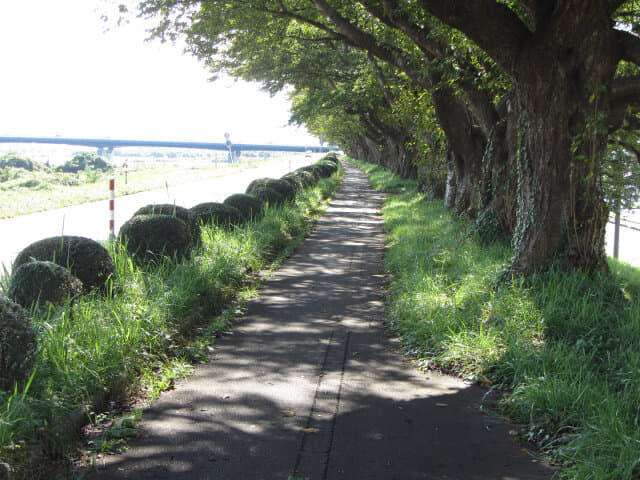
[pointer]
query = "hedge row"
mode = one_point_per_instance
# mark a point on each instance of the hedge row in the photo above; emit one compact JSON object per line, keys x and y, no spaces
{"x":56,"y":270}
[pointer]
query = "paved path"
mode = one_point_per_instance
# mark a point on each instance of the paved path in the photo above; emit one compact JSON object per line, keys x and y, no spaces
{"x":309,"y":385}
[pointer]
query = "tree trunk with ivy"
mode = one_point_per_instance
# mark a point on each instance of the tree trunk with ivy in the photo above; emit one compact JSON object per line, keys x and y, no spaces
{"x":562,"y":83}
{"x":562,"y":57}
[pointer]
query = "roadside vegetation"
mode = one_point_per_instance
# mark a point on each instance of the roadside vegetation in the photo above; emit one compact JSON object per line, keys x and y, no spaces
{"x":98,"y":352}
{"x":28,"y":187}
{"x":560,"y":345}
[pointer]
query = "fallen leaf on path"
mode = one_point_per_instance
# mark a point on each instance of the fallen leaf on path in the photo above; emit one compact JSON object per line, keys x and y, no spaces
{"x":309,"y":430}
{"x":288,"y":413}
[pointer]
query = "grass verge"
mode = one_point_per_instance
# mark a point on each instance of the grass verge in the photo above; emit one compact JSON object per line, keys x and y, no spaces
{"x":99,"y":352}
{"x":561,"y":346}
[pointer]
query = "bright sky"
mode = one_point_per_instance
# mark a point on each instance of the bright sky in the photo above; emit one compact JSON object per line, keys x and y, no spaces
{"x":62,"y":74}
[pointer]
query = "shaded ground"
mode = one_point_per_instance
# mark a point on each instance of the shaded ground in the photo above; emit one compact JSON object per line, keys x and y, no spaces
{"x":309,"y":386}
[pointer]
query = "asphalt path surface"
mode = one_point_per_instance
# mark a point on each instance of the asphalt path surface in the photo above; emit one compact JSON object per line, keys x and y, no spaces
{"x":309,"y":386}
{"x":92,"y":219}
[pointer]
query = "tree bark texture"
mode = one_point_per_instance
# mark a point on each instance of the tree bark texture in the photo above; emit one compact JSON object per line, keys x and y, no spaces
{"x":562,"y":79}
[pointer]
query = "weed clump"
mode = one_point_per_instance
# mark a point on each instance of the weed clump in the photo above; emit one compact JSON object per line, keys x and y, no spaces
{"x":13,"y":160}
{"x":249,"y":206}
{"x":85,"y":258}
{"x":41,"y":283}
{"x":152,"y":237}
{"x":17,"y":344}
{"x":85,"y":161}
{"x":216,"y":213}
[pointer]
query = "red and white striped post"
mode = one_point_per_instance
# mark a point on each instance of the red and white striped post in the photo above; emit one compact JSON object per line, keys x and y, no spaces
{"x":112,"y":201}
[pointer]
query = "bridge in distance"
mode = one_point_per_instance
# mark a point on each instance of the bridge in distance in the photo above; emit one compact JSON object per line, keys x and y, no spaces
{"x":107,"y":144}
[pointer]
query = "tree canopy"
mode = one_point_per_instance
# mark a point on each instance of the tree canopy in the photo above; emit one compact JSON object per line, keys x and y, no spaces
{"x":526,"y":110}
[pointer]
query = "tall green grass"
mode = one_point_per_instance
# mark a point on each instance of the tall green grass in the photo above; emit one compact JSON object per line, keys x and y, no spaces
{"x":156,"y":323}
{"x":562,"y":345}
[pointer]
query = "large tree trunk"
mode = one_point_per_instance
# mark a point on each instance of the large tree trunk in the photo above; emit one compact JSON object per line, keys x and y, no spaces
{"x":562,"y":83}
{"x":467,"y":145}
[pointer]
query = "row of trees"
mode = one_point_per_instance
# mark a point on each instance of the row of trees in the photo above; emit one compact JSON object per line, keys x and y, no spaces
{"x":521,"y":110}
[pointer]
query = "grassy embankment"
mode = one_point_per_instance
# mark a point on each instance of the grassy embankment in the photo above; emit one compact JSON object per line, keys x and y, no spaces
{"x":157,"y":323}
{"x":562,"y":346}
{"x":26,"y":192}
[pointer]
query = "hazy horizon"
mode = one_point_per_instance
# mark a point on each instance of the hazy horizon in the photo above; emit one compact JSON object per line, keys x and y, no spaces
{"x":65,"y":75}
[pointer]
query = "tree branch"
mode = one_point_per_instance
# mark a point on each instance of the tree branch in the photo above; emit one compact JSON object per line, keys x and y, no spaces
{"x":614,"y":5}
{"x":391,"y":14}
{"x":492,"y":25}
{"x":625,"y":102}
{"x":630,"y":46}
{"x":364,"y":41}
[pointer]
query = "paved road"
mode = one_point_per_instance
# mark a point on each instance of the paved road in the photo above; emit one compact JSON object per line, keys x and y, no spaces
{"x":92,"y":219}
{"x":309,"y":386}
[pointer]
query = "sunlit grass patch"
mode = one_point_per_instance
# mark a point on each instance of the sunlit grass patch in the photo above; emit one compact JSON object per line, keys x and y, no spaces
{"x":155,"y":323}
{"x":561,"y":345}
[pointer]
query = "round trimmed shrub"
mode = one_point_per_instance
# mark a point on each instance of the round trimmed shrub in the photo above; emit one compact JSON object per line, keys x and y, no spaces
{"x":325,"y":168}
{"x":151,"y":237}
{"x":258,"y":182}
{"x":17,"y":344}
{"x":42,"y":283}
{"x":217,"y":214}
{"x":182,"y":213}
{"x":281,"y":186}
{"x":307,"y":179}
{"x":86,"y":259}
{"x":331,"y":157}
{"x":267,"y":195}
{"x":249,"y":206}
{"x":313,"y":170}
{"x":294,"y":181}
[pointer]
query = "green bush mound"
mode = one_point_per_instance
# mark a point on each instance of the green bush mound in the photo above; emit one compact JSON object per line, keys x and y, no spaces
{"x":17,"y":344}
{"x":13,"y":160}
{"x":149,"y":238}
{"x":258,"y":182}
{"x":283,"y":187}
{"x":85,"y":161}
{"x":268,"y":196}
{"x":217,"y":214}
{"x":184,"y":214}
{"x":42,"y":283}
{"x":308,"y":179}
{"x":249,"y":206}
{"x":326,"y":168}
{"x":294,"y":181}
{"x":85,"y":258}
{"x":313,"y":170}
{"x":331,"y":157}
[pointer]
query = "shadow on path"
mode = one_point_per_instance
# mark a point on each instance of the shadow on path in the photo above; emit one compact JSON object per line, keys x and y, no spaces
{"x":309,"y":386}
